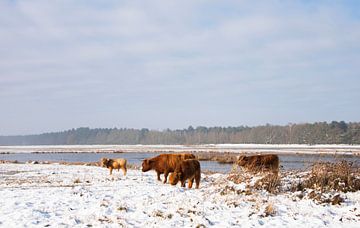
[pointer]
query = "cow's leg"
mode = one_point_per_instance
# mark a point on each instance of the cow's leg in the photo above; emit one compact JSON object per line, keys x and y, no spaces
{"x":111,"y":170}
{"x":165,"y":176}
{"x":124,"y":170}
{"x":182,"y":183}
{"x":190,"y":183}
{"x":197,"y":179}
{"x":158,"y":176}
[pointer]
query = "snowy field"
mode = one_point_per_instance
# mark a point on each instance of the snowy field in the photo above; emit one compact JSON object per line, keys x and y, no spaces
{"x":232,"y":148}
{"x":53,"y":195}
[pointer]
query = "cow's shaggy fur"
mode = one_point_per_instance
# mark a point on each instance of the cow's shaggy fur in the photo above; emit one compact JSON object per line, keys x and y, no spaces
{"x":186,"y":170}
{"x":164,"y":163}
{"x":257,"y":163}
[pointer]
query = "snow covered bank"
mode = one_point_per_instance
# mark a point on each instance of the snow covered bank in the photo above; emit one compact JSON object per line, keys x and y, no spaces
{"x":221,"y":148}
{"x":61,"y":195}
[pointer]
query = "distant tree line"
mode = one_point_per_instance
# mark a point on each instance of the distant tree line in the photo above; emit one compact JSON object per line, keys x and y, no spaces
{"x":307,"y":133}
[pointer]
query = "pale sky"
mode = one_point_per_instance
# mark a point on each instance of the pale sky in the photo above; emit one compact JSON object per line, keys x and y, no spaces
{"x":171,"y":64}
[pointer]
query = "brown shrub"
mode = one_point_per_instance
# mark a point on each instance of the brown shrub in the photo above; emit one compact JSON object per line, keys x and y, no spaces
{"x":339,"y":176}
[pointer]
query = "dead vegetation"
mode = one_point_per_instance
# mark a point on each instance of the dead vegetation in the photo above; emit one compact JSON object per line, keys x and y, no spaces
{"x":9,"y":162}
{"x":161,"y":214}
{"x":321,"y":198}
{"x":270,"y":182}
{"x":270,"y":210}
{"x":237,"y":175}
{"x":341,"y":176}
{"x":325,"y":183}
{"x":123,"y":208}
{"x":77,"y":163}
{"x":265,"y":180}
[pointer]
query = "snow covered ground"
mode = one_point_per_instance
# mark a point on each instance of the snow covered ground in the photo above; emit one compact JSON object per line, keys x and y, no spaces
{"x":233,"y":148}
{"x":83,"y":196}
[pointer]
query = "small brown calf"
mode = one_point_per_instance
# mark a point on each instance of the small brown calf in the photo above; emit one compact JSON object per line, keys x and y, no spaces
{"x":186,"y":170}
{"x":111,"y":164}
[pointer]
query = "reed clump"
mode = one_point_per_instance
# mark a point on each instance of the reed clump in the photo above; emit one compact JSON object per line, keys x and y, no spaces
{"x":326,"y":176}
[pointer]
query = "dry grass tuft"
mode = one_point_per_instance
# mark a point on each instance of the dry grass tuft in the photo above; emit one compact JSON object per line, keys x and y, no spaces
{"x":337,"y":200}
{"x":270,"y":210}
{"x":122,"y":208}
{"x":270,"y":183}
{"x":237,"y":175}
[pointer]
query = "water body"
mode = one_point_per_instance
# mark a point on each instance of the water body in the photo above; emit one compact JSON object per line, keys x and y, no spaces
{"x":287,"y":162}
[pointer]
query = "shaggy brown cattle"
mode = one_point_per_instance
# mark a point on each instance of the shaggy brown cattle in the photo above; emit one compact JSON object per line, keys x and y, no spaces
{"x":111,"y":164}
{"x":259,"y":162}
{"x":186,"y":170}
{"x":164,"y":163}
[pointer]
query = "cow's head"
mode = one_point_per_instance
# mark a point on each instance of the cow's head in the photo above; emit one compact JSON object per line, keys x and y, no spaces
{"x":104,"y":162}
{"x":174,"y":178}
{"x":147,"y":164}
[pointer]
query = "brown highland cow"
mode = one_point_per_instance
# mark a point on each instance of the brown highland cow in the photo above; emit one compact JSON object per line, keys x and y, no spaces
{"x":258,"y":163}
{"x":111,"y":164}
{"x":164,"y":163}
{"x":186,"y":170}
